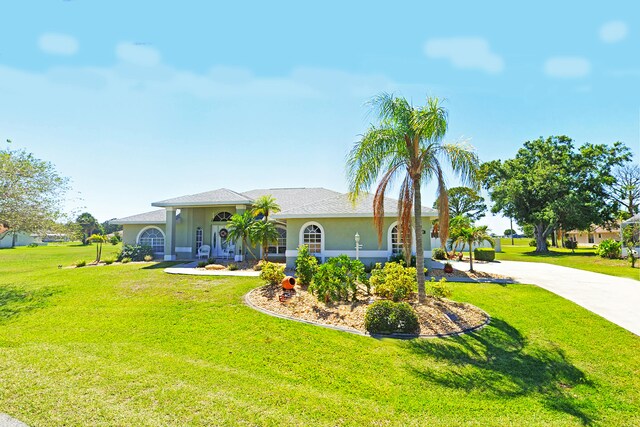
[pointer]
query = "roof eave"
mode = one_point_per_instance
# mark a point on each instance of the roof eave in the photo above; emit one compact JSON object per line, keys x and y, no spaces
{"x":199,"y":204}
{"x":116,"y":222}
{"x":345,"y":215}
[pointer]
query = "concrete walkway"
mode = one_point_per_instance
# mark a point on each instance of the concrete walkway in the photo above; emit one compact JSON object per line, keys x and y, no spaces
{"x":7,"y":421}
{"x":190,"y":269}
{"x":617,"y":299}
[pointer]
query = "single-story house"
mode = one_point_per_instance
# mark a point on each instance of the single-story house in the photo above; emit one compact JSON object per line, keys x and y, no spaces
{"x":595,"y":235}
{"x":10,"y":240}
{"x":323,"y":219}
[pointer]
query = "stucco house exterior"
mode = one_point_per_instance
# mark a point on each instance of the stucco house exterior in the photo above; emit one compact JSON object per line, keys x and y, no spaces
{"x":595,"y":235}
{"x":323,"y":219}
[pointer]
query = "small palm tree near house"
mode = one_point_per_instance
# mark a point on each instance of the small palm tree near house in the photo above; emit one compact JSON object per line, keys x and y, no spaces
{"x":407,"y":145}
{"x":265,"y":206}
{"x":240,"y":229}
{"x":472,"y":234}
{"x":264,"y":233}
{"x":98,"y":239}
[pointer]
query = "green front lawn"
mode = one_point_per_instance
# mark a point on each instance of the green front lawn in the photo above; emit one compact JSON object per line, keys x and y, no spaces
{"x":583,"y":259}
{"x":131,"y":345}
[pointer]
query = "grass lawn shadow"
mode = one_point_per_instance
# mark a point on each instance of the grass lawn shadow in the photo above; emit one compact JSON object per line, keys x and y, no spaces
{"x":554,"y":254}
{"x":162,"y":265}
{"x":500,"y":361}
{"x":14,"y":301}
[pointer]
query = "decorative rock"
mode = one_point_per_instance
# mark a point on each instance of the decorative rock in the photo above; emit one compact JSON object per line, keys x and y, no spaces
{"x":215,"y":267}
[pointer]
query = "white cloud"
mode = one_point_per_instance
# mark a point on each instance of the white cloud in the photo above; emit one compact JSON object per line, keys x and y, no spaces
{"x":465,"y":52}
{"x":613,"y":31}
{"x":58,"y":44}
{"x":567,"y":67}
{"x":136,"y":54}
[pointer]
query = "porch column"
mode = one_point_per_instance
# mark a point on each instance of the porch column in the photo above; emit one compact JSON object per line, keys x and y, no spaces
{"x":170,"y":235}
{"x":240,"y":209}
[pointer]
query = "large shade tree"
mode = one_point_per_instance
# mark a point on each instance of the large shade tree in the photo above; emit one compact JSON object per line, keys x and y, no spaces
{"x":625,"y":190}
{"x":551,"y":184}
{"x":406,"y":145}
{"x":465,"y":201}
{"x":31,"y":193}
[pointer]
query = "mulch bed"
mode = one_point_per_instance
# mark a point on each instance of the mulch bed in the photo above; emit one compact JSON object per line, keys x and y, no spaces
{"x":437,"y":316}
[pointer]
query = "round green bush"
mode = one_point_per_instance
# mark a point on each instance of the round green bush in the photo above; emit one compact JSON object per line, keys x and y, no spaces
{"x":388,"y":317}
{"x":439,"y":253}
{"x":484,"y":254}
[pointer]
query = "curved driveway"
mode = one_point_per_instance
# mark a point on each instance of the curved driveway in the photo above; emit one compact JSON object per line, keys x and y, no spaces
{"x":615,"y":298}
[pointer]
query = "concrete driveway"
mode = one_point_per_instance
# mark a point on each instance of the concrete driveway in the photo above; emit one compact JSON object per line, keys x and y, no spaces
{"x":615,"y":298}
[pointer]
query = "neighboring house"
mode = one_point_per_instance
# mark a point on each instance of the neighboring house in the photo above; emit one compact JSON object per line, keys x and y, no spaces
{"x":595,"y":235}
{"x":325,"y":220}
{"x":10,"y":240}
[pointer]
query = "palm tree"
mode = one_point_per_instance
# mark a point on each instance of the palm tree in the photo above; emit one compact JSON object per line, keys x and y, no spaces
{"x":240,"y":228}
{"x":264,"y":232}
{"x":408,"y":143}
{"x":265,"y":205}
{"x":472,"y":234}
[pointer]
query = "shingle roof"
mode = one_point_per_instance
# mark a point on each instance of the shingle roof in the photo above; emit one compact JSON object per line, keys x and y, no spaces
{"x":158,"y":216}
{"x":221,"y":196}
{"x":294,"y":202}
{"x":341,"y":206}
{"x":289,"y":198}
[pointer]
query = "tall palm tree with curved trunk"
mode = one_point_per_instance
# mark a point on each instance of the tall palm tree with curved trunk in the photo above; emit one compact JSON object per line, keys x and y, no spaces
{"x":407,"y":144}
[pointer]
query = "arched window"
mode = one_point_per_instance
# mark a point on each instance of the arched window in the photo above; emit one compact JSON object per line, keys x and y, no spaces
{"x":312,"y":237}
{"x":198,"y":237}
{"x":152,"y":237}
{"x":396,"y":244}
{"x":222,"y":217}
{"x":281,"y":246}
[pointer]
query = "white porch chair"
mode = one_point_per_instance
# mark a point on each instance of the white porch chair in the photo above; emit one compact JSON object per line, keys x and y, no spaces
{"x":204,"y":251}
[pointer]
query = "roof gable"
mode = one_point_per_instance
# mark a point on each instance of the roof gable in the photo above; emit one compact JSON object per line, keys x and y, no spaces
{"x":221,"y":196}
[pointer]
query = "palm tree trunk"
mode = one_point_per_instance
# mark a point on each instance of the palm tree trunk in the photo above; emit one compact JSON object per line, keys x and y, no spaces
{"x":470,"y":256}
{"x":417,"y":209}
{"x":245,"y":245}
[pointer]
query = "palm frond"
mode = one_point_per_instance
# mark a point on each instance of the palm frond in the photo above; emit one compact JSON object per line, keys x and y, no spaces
{"x":378,"y":200}
{"x":405,"y":211}
{"x":464,"y":161}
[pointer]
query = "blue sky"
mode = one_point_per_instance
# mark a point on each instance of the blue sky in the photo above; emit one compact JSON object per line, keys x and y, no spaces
{"x":138,"y":102}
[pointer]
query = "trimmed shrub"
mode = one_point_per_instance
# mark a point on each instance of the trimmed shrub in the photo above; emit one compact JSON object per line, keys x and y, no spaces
{"x":439,"y":289}
{"x":32,"y":245}
{"x":109,"y":261}
{"x":388,"y":317}
{"x":338,"y":279}
{"x":202,"y":264}
{"x":232,"y":267}
{"x":125,"y":260}
{"x":609,"y":248}
{"x":306,"y":266}
{"x":135,"y":252}
{"x":148,"y":258}
{"x":272,"y":273}
{"x":394,"y":281}
{"x":115,"y":239}
{"x":399,"y":258}
{"x":80,"y":263}
{"x":484,"y":254}
{"x":571,"y":244}
{"x":439,"y":253}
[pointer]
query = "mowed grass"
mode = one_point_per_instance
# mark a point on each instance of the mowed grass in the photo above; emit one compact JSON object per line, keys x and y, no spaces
{"x":131,"y":345}
{"x":582,"y":258}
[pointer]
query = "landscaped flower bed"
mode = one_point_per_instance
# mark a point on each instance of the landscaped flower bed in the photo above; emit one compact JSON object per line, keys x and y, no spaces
{"x":436,"y":316}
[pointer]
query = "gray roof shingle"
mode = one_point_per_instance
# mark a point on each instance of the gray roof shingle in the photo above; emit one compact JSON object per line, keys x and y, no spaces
{"x":221,"y":196}
{"x":341,"y":206}
{"x":294,"y":202}
{"x":289,"y":198}
{"x":158,"y":216}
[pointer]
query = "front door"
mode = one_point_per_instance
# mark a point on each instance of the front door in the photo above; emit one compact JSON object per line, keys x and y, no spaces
{"x":220,"y":247}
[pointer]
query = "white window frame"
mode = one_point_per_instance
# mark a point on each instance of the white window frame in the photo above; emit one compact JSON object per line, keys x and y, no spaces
{"x":199,"y":237}
{"x":277,"y":245}
{"x":164,"y":237}
{"x":323,"y":236}
{"x":224,"y":220}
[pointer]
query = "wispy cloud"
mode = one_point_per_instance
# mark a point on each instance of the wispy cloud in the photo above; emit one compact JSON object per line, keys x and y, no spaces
{"x":613,"y":31}
{"x":138,"y":54}
{"x":465,"y":52}
{"x":567,"y":67}
{"x":58,"y":44}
